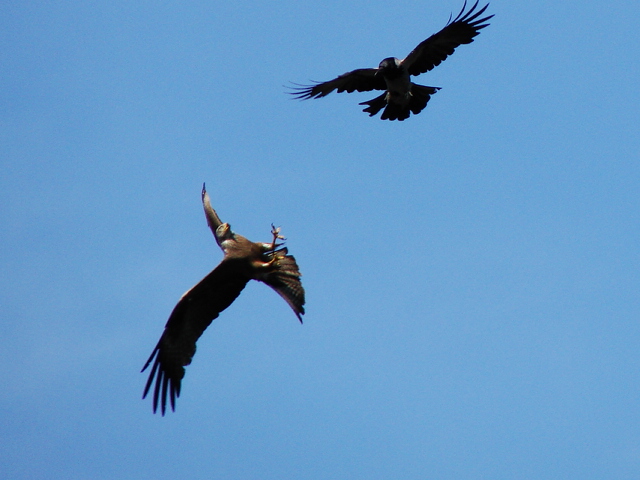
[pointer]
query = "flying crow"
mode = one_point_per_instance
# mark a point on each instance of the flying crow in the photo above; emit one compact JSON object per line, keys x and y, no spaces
{"x":243,"y":261}
{"x":401,"y":96}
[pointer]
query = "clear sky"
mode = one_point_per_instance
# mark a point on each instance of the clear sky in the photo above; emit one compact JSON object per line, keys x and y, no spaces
{"x":472,"y":273}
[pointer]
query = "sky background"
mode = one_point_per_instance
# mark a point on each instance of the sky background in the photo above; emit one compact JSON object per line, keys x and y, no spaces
{"x":472,"y":273}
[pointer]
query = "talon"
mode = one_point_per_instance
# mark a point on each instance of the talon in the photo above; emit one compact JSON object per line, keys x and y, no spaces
{"x":275,"y":231}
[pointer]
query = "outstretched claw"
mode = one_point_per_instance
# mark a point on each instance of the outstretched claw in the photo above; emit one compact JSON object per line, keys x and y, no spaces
{"x":272,"y":249}
{"x":275,"y":231}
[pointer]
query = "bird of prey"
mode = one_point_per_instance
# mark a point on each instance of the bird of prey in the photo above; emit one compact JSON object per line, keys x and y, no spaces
{"x":243,"y":261}
{"x":401,"y":96}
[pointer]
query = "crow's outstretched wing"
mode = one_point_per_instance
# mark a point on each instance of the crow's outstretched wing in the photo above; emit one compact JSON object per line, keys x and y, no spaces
{"x":361,"y":80}
{"x":191,"y":316}
{"x":435,"y":49}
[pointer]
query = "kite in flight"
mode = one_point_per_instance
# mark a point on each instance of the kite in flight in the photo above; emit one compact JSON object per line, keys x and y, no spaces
{"x":401,"y":96}
{"x":243,"y":261}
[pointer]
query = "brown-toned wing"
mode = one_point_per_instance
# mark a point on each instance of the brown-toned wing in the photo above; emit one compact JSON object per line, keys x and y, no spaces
{"x":285,"y":280}
{"x":212,"y":217}
{"x":439,"y":46}
{"x":361,"y":80}
{"x":191,"y":316}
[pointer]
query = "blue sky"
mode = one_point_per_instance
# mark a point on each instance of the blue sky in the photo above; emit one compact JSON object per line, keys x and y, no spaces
{"x":471,"y":273}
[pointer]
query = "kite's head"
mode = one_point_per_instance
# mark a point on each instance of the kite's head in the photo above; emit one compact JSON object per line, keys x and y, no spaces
{"x":223,"y":232}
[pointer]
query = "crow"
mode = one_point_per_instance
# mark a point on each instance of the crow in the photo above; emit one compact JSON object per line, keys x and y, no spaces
{"x":403,"y":97}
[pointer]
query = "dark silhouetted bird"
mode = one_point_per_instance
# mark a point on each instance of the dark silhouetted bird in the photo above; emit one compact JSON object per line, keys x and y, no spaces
{"x":402,"y":97}
{"x":243,"y":261}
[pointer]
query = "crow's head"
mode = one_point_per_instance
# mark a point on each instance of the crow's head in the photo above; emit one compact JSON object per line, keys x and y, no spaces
{"x":388,"y":65}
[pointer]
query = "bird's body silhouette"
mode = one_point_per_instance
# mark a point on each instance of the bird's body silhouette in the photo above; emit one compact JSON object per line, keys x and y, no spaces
{"x":403,"y":97}
{"x":243,"y":261}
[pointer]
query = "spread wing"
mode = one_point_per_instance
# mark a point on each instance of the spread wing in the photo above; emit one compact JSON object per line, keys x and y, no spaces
{"x":435,"y":49}
{"x":191,"y":316}
{"x":361,"y":80}
{"x":285,"y":280}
